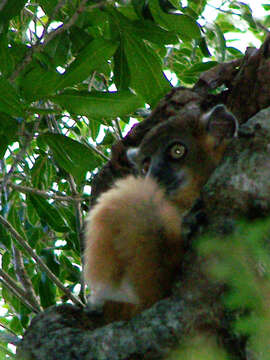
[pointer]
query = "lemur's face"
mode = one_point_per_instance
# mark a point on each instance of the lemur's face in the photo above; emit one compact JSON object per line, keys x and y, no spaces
{"x":181,"y":153}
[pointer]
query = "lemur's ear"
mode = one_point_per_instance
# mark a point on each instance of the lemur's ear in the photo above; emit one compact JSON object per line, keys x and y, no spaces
{"x":221,"y":123}
{"x":132,"y":154}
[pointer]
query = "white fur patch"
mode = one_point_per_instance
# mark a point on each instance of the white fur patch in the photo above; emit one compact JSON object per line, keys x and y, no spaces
{"x":124,"y":292}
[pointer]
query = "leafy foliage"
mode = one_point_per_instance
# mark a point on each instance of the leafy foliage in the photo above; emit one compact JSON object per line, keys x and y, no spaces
{"x":72,"y":74}
{"x":242,"y":261}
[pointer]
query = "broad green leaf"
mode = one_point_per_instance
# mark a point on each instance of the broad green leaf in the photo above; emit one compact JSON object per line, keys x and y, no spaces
{"x":9,"y":99}
{"x":153,"y":33}
{"x":147,"y":78}
{"x":39,"y":82}
{"x":74,"y":157}
{"x":89,"y":59}
{"x":99,"y":105}
{"x":48,"y":213}
{"x":186,"y":27}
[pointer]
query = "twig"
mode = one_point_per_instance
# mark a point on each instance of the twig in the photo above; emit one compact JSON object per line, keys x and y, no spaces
{"x":34,"y":16}
{"x":2,"y":5}
{"x":24,"y":278}
{"x":8,"y":329}
{"x":44,"y":193}
{"x":54,"y":12}
{"x":20,"y":297}
{"x":261,"y":26}
{"x":20,"y":155}
{"x":98,"y":151}
{"x":18,"y":290}
{"x":39,"y":261}
{"x":119,"y":131}
{"x":49,"y":36}
{"x":7,"y":351}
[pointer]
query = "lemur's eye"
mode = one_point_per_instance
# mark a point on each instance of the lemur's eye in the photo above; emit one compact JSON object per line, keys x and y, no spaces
{"x":145,"y":166}
{"x":177,"y":151}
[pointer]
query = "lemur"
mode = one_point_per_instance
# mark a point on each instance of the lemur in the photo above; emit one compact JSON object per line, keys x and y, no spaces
{"x":133,"y":238}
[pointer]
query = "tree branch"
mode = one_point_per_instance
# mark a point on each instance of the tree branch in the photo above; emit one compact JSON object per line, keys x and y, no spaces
{"x":20,"y":155}
{"x":43,"y":193}
{"x":23,"y":300}
{"x":39,"y":261}
{"x":12,"y":283}
{"x":24,"y":278}
{"x":50,"y":36}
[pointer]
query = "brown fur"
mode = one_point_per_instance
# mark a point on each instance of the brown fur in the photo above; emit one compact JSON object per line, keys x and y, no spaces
{"x":134,"y":233}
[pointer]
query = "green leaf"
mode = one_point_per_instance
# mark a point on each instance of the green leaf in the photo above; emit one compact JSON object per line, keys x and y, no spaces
{"x":74,"y":157}
{"x":247,"y":15}
{"x":47,"y":291}
{"x":16,"y":325}
{"x":204,"y":48}
{"x":47,"y":213}
{"x":89,"y":59}
{"x":39,"y":82}
{"x":152,"y":32}
{"x":51,"y":261}
{"x":147,"y":78}
{"x":11,"y":8}
{"x":48,"y":5}
{"x":58,"y":49}
{"x":200,"y":67}
{"x":8,"y":132}
{"x":9,"y":100}
{"x":186,"y":27}
{"x":221,"y":42}
{"x":121,"y":70}
{"x":72,"y":273}
{"x":39,"y":172}
{"x":99,"y":105}
{"x":266,"y":7}
{"x":6,"y":60}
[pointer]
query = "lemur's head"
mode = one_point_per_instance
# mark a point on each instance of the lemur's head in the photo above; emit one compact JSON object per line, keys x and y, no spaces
{"x":181,"y":153}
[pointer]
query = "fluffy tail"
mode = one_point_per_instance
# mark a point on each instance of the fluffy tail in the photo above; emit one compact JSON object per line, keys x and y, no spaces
{"x":133,"y":246}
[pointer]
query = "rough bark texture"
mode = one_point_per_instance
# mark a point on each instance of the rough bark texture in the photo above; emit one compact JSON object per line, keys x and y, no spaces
{"x":239,"y":187}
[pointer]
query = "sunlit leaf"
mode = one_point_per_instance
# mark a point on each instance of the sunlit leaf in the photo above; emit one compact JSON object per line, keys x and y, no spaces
{"x":183,"y":25}
{"x":99,"y":105}
{"x":147,"y":78}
